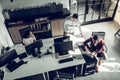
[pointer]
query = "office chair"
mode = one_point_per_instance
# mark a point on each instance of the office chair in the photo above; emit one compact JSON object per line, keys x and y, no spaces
{"x":23,"y":31}
{"x":67,"y":73}
{"x":117,"y":33}
{"x":101,"y":35}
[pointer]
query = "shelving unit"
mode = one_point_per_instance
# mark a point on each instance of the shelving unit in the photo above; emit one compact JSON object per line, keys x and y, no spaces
{"x":41,"y":29}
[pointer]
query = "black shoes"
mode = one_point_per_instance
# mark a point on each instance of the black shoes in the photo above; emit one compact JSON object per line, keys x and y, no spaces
{"x":25,"y":62}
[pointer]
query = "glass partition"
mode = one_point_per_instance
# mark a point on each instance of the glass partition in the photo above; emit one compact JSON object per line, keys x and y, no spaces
{"x":94,"y":10}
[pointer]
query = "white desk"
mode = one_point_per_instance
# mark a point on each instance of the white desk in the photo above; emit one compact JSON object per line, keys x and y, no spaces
{"x":40,"y":65}
{"x":51,"y":60}
{"x":44,"y":64}
{"x":34,"y":66}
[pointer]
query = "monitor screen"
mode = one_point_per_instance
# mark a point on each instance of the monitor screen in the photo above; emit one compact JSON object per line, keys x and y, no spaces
{"x":30,"y":49}
{"x":8,"y":57}
{"x":62,"y":48}
{"x":62,"y":39}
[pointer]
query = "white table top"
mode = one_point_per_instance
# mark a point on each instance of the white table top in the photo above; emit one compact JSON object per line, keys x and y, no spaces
{"x":44,"y":64}
{"x":40,"y":65}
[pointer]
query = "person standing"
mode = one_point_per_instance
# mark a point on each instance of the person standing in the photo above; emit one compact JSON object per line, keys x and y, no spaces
{"x":72,"y":25}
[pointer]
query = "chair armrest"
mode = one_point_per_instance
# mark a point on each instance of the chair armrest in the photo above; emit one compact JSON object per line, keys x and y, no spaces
{"x":105,"y":47}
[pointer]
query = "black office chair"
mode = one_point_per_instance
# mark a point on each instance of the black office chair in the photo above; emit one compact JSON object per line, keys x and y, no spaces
{"x":67,"y":73}
{"x":117,"y":33}
{"x":23,"y":31}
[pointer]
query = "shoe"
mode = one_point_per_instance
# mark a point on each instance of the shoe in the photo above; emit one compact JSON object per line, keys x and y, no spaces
{"x":25,"y":62}
{"x":96,"y":70}
{"x":39,"y":56}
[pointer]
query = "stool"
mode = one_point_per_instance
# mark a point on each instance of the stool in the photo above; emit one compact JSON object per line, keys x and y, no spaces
{"x":117,"y":33}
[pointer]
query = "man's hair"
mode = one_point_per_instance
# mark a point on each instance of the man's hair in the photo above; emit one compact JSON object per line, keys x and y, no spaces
{"x":95,"y":37}
{"x":75,"y":15}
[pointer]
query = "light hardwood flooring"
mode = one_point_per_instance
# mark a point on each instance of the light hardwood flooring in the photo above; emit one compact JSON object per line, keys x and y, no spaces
{"x":110,"y":69}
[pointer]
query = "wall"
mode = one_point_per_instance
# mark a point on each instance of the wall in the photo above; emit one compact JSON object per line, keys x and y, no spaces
{"x":5,"y":39}
{"x":6,"y":4}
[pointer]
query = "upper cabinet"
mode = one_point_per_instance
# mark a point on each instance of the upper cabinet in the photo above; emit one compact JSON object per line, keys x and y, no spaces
{"x":51,"y":10}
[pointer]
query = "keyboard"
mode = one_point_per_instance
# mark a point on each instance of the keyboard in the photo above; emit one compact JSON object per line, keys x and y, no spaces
{"x":65,"y":60}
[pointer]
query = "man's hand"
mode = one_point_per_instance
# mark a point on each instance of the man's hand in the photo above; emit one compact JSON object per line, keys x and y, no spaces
{"x":93,"y":53}
{"x":81,"y":35}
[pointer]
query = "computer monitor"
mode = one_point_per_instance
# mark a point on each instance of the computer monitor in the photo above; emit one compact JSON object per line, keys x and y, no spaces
{"x":62,"y":48}
{"x":30,"y":49}
{"x":62,"y":39}
{"x":8,"y":57}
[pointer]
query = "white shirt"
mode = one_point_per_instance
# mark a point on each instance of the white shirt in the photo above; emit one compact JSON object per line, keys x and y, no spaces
{"x":29,"y":40}
{"x":71,"y":26}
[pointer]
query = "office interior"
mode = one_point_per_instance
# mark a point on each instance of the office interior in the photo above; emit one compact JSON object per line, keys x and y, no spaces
{"x":94,"y":15}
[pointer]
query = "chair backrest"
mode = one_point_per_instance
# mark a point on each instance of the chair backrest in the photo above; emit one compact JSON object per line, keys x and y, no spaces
{"x":100,"y":34}
{"x":23,"y":31}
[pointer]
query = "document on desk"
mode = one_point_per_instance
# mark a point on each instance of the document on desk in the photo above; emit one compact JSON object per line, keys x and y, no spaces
{"x":76,"y":38}
{"x":75,"y":52}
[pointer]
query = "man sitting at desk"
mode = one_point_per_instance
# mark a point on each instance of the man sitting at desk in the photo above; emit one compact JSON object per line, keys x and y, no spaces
{"x":94,"y":45}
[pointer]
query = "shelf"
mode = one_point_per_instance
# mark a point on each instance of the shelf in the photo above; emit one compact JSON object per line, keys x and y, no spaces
{"x":21,"y":23}
{"x":38,"y":31}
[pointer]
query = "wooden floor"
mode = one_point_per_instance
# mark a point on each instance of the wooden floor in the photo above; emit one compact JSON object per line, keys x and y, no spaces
{"x":110,"y":69}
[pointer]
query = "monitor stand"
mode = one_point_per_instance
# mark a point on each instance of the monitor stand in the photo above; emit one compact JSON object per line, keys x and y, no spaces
{"x":64,"y":56}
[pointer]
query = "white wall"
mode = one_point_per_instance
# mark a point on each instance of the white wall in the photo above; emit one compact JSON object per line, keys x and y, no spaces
{"x":6,"y":4}
{"x":5,"y":39}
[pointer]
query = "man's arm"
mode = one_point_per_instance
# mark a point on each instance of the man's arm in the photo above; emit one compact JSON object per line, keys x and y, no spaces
{"x":32,"y":35}
{"x":85,"y":45}
{"x":100,"y":48}
{"x":80,"y":30}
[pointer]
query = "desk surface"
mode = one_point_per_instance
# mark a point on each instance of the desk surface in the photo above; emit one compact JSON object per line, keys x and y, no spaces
{"x":44,"y":64}
{"x":40,"y":65}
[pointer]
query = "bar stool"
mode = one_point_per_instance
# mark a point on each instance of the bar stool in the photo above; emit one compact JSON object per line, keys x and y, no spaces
{"x":117,"y":33}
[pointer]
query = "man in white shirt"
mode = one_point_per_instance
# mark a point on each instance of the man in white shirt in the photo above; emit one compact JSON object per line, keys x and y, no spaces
{"x":72,"y":25}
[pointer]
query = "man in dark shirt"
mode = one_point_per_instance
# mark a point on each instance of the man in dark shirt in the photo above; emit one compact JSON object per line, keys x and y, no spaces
{"x":93,"y":46}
